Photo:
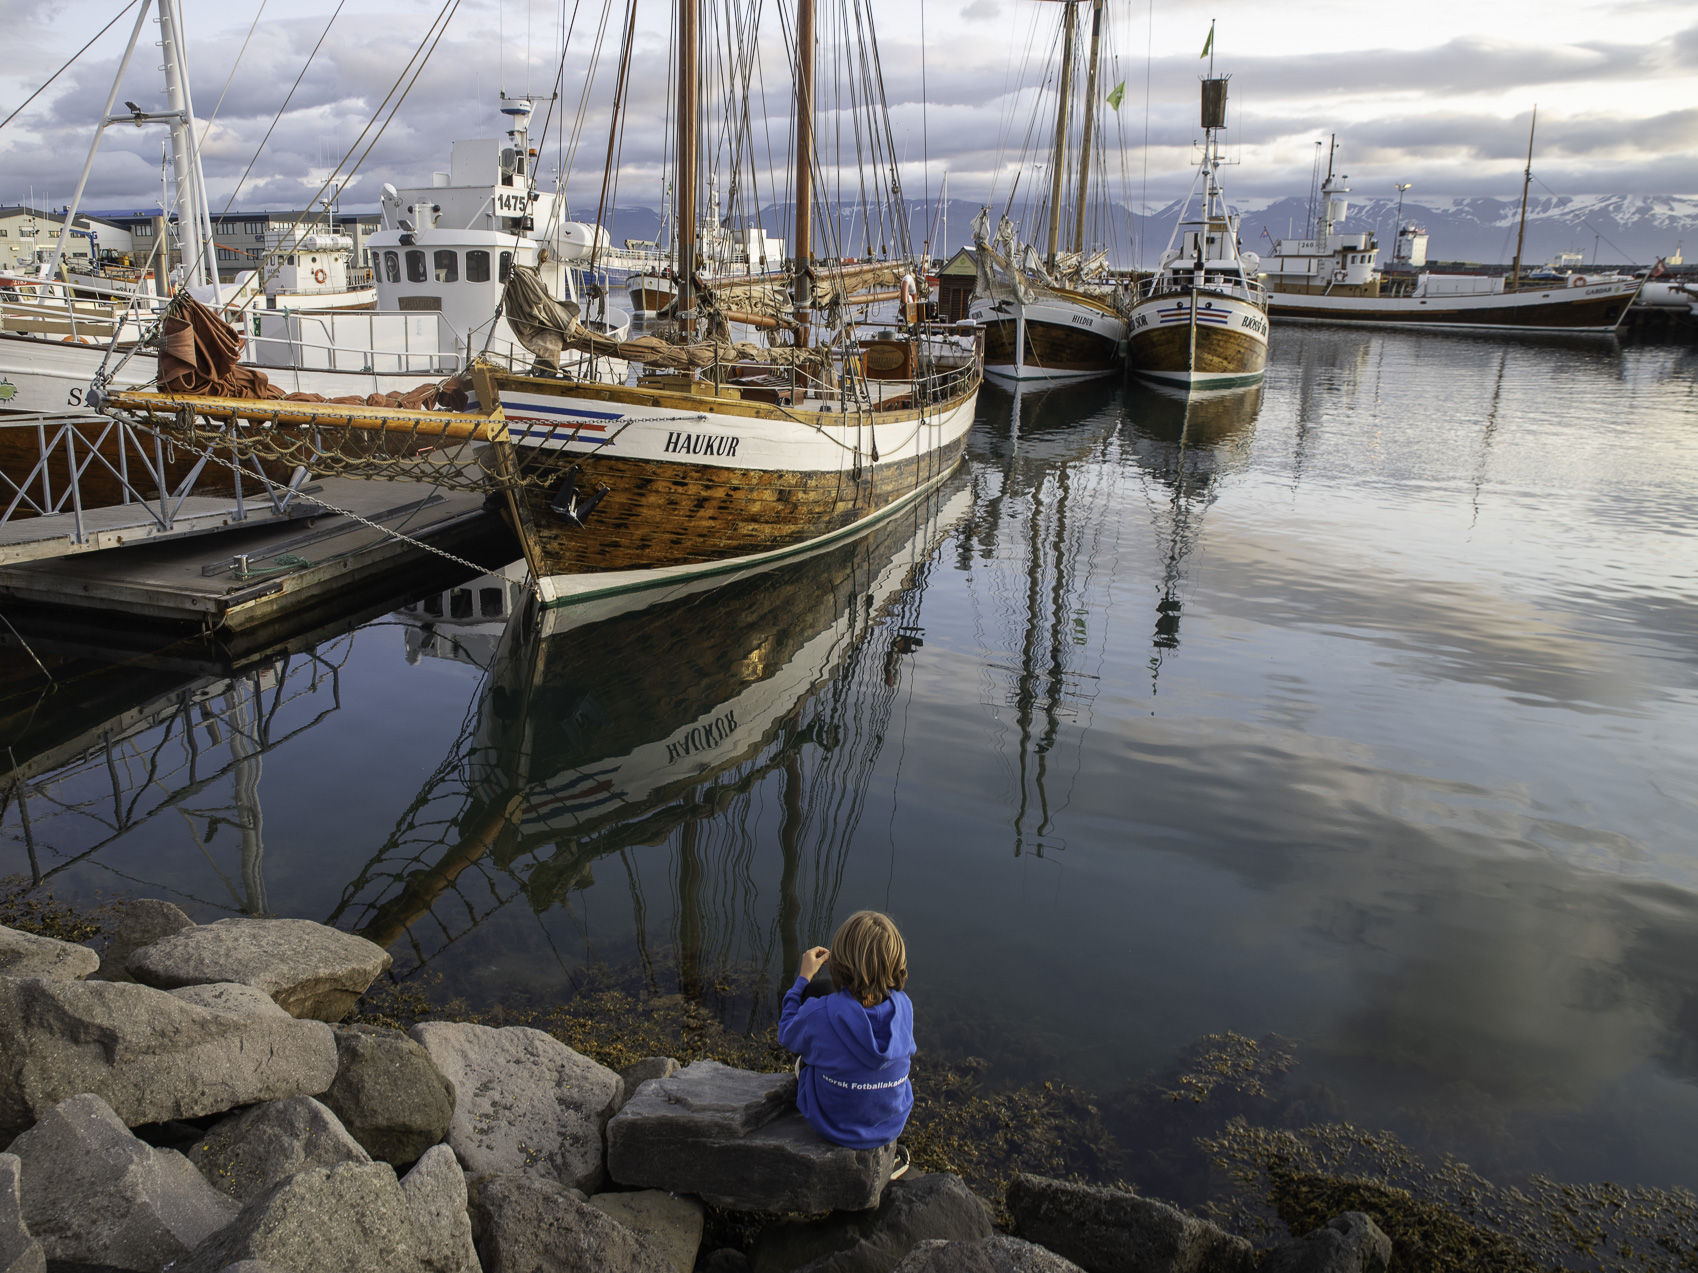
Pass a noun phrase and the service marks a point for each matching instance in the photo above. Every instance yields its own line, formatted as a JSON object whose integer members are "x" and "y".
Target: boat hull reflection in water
{"x": 599, "y": 728}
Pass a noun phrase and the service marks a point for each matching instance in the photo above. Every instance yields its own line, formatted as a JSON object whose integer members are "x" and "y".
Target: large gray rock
{"x": 27, "y": 955}
{"x": 309, "y": 969}
{"x": 350, "y": 1218}
{"x": 141, "y": 923}
{"x": 527, "y": 1225}
{"x": 94, "y": 1194}
{"x": 389, "y": 1093}
{"x": 650, "y": 1067}
{"x": 672, "y": 1226}
{"x": 1350, "y": 1243}
{"x": 19, "y": 1251}
{"x": 150, "y": 1055}
{"x": 435, "y": 1190}
{"x": 247, "y": 1153}
{"x": 735, "y": 1138}
{"x": 1113, "y": 1231}
{"x": 999, "y": 1254}
{"x": 524, "y": 1103}
{"x": 916, "y": 1208}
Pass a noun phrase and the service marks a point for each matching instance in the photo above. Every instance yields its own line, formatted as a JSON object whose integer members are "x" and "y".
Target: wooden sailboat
{"x": 1047, "y": 320}
{"x": 1202, "y": 319}
{"x": 738, "y": 454}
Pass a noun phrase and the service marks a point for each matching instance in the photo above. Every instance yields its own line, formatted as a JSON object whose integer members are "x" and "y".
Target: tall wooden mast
{"x": 1059, "y": 159}
{"x": 1090, "y": 122}
{"x": 803, "y": 293}
{"x": 688, "y": 131}
{"x": 1526, "y": 182}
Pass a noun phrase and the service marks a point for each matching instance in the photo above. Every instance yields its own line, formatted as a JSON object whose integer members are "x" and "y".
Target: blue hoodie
{"x": 854, "y": 1087}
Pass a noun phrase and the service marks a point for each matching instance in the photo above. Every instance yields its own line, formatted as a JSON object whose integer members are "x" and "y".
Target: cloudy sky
{"x": 1437, "y": 95}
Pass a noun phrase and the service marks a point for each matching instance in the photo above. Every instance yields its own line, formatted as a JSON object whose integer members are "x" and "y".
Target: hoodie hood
{"x": 876, "y": 1037}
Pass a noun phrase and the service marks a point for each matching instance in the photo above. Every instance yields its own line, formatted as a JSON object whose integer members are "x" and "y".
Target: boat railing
{"x": 438, "y": 351}
{"x": 1182, "y": 284}
{"x": 73, "y": 463}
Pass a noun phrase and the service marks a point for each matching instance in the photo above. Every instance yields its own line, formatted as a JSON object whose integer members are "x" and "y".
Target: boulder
{"x": 94, "y": 1194}
{"x": 735, "y": 1138}
{"x": 1114, "y": 1231}
{"x": 309, "y": 969}
{"x": 528, "y": 1225}
{"x": 142, "y": 922}
{"x": 1350, "y": 1243}
{"x": 27, "y": 955}
{"x": 19, "y": 1251}
{"x": 389, "y": 1094}
{"x": 252, "y": 1266}
{"x": 350, "y": 1218}
{"x": 999, "y": 1254}
{"x": 435, "y": 1191}
{"x": 916, "y": 1208}
{"x": 247, "y": 1153}
{"x": 650, "y": 1067}
{"x": 672, "y": 1226}
{"x": 524, "y": 1103}
{"x": 150, "y": 1055}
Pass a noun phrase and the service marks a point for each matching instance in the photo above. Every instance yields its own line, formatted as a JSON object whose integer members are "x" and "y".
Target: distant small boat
{"x": 1202, "y": 319}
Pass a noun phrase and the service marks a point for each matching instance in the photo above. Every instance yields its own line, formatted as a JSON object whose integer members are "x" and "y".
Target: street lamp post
{"x": 1397, "y": 230}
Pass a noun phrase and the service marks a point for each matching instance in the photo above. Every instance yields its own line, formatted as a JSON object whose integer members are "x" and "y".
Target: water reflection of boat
{"x": 1187, "y": 442}
{"x": 596, "y": 733}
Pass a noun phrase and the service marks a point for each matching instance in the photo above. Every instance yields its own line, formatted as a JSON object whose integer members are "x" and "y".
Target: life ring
{"x": 318, "y": 276}
{"x": 1338, "y": 276}
{"x": 74, "y": 340}
{"x": 908, "y": 291}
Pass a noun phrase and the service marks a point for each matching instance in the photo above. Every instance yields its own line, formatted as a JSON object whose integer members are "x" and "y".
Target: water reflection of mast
{"x": 1185, "y": 441}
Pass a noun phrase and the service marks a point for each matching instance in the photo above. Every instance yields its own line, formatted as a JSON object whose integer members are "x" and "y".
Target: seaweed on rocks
{"x": 31, "y": 909}
{"x": 1448, "y": 1218}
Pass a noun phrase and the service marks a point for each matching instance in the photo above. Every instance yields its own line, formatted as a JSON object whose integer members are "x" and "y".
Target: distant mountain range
{"x": 1620, "y": 229}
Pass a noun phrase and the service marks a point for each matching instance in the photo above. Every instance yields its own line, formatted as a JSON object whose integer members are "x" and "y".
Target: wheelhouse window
{"x": 506, "y": 267}
{"x": 477, "y": 266}
{"x": 447, "y": 265}
{"x": 392, "y": 266}
{"x": 416, "y": 267}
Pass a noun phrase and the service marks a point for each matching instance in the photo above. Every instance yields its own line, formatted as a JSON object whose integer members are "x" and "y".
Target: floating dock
{"x": 248, "y": 576}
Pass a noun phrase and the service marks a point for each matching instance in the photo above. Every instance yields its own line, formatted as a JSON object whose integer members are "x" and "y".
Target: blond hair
{"x": 868, "y": 957}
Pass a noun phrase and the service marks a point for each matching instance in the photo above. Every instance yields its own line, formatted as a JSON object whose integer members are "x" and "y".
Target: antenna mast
{"x": 1526, "y": 182}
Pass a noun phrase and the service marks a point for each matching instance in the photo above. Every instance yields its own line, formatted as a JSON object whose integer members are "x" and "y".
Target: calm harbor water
{"x": 1361, "y": 708}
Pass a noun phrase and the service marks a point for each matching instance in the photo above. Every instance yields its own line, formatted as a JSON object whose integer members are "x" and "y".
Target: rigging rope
{"x": 56, "y": 74}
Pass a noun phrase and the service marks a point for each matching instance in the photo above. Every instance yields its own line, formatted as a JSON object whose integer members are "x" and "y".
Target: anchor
{"x": 566, "y": 502}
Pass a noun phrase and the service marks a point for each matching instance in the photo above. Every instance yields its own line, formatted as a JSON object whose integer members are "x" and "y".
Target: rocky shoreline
{"x": 195, "y": 1099}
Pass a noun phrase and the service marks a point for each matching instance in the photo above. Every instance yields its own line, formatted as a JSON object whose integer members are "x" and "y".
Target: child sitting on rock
{"x": 855, "y": 1038}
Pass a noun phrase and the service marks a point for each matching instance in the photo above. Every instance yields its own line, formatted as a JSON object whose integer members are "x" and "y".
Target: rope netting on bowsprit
{"x": 425, "y": 453}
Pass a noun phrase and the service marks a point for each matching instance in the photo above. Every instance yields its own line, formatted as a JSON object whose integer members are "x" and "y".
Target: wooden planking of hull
{"x": 1222, "y": 343}
{"x": 1597, "y": 309}
{"x": 698, "y": 484}
{"x": 1063, "y": 340}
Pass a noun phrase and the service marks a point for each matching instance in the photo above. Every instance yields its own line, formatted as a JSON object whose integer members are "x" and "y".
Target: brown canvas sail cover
{"x": 200, "y": 355}
{"x": 546, "y": 327}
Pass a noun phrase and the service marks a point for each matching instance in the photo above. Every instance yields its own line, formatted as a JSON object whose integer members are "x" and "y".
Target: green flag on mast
{"x": 1208, "y": 43}
{"x": 1118, "y": 95}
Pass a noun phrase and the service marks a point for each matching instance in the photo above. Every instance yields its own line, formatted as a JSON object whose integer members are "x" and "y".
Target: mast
{"x": 193, "y": 216}
{"x": 684, "y": 199}
{"x": 1526, "y": 182}
{"x": 1085, "y": 133}
{"x": 803, "y": 287}
{"x": 1060, "y": 157}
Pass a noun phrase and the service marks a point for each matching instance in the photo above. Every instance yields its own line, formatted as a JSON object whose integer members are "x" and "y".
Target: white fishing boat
{"x": 1202, "y": 319}
{"x": 1334, "y": 277}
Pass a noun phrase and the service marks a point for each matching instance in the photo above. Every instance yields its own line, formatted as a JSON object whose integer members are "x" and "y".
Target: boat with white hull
{"x": 1331, "y": 277}
{"x": 1202, "y": 319}
{"x": 1058, "y": 317}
